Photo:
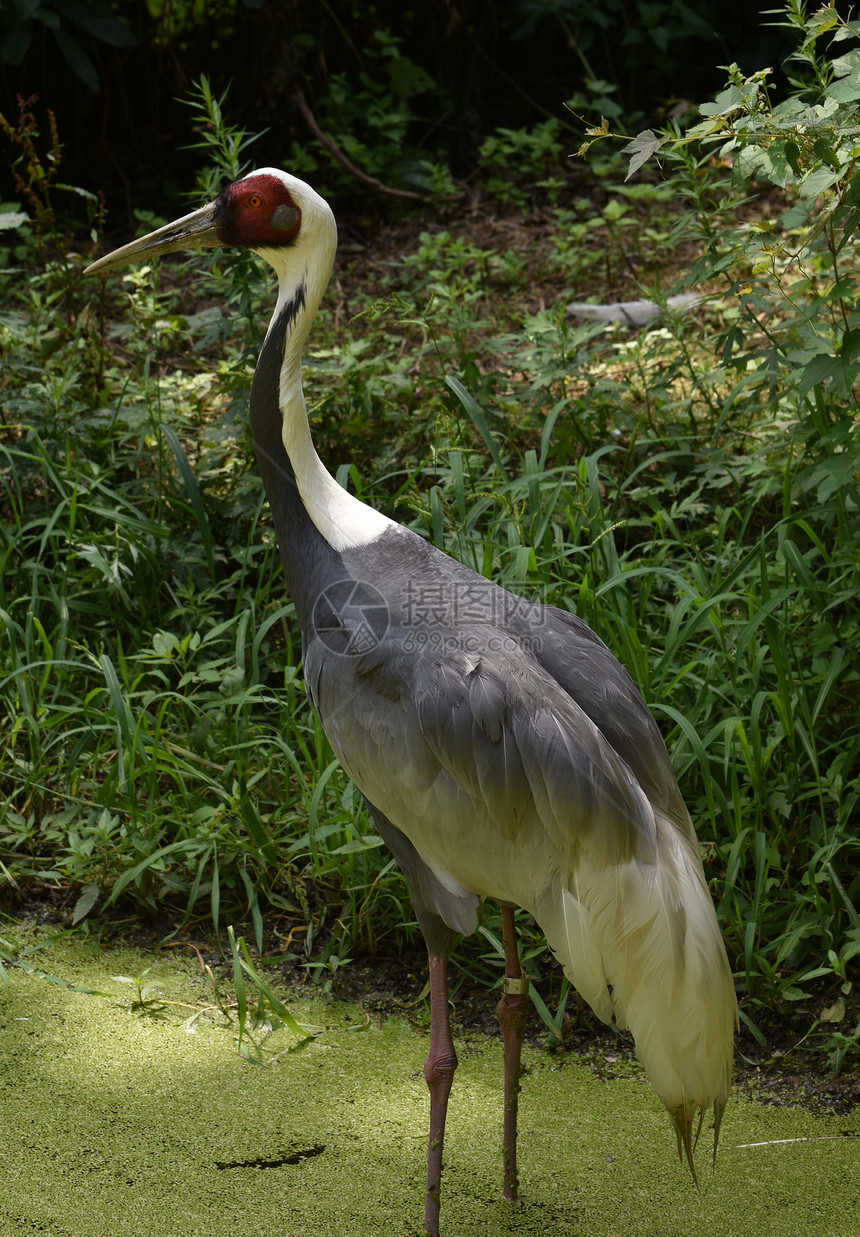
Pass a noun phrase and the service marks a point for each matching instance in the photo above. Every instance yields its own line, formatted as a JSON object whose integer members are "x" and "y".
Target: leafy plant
{"x": 262, "y": 1016}
{"x": 147, "y": 995}
{"x": 22, "y": 19}
{"x": 368, "y": 115}
{"x": 536, "y": 155}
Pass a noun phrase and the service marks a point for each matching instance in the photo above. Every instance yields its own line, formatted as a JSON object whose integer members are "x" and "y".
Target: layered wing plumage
{"x": 519, "y": 762}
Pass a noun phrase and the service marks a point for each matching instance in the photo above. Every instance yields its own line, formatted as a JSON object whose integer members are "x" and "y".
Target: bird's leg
{"x": 439, "y": 1072}
{"x": 511, "y": 1013}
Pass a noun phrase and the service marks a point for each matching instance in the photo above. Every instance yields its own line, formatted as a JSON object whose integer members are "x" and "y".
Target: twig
{"x": 311, "y": 122}
{"x": 820, "y": 1138}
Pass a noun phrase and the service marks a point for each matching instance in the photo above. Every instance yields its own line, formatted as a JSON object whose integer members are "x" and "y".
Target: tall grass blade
{"x": 477, "y": 417}
{"x": 193, "y": 490}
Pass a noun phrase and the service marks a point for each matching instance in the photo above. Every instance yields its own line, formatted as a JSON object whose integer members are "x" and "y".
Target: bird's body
{"x": 503, "y": 750}
{"x": 488, "y": 744}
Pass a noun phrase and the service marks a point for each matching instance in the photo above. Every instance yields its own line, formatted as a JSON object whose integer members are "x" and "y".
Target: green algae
{"x": 140, "y": 1122}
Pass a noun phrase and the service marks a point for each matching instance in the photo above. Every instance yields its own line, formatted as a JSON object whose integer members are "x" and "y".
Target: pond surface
{"x": 149, "y": 1122}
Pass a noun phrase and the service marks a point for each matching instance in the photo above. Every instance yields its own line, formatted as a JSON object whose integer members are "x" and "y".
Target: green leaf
{"x": 846, "y": 90}
{"x": 255, "y": 826}
{"x": 16, "y": 43}
{"x": 23, "y": 10}
{"x": 477, "y": 417}
{"x": 242, "y": 966}
{"x": 819, "y": 369}
{"x": 193, "y": 491}
{"x": 78, "y": 60}
{"x": 792, "y": 154}
{"x": 851, "y": 196}
{"x": 733, "y": 338}
{"x": 101, "y": 25}
{"x": 642, "y": 147}
{"x": 85, "y": 903}
{"x": 847, "y": 65}
{"x": 727, "y": 101}
{"x": 825, "y": 152}
{"x": 124, "y": 718}
{"x": 771, "y": 163}
{"x": 357, "y": 846}
{"x": 157, "y": 857}
{"x": 817, "y": 182}
{"x": 834, "y": 474}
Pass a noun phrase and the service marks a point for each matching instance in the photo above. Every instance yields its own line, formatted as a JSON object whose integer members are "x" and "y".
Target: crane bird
{"x": 502, "y": 750}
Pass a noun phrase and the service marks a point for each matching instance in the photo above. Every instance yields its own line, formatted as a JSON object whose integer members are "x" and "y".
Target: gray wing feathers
{"x": 583, "y": 666}
{"x": 513, "y": 758}
{"x": 493, "y": 735}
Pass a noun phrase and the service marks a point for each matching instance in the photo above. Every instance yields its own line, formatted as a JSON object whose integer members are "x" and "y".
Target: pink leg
{"x": 439, "y": 1072}
{"x": 511, "y": 1013}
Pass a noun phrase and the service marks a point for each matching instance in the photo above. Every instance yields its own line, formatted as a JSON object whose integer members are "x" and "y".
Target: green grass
{"x": 158, "y": 750}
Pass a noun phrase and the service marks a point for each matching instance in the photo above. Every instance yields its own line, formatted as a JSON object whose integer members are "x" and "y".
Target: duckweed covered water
{"x": 117, "y": 1120}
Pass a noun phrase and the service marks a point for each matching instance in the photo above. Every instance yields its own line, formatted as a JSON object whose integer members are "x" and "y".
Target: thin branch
{"x": 311, "y": 122}
{"x": 821, "y": 1138}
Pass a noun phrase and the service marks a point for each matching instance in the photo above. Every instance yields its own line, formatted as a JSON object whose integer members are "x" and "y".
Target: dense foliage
{"x": 691, "y": 490}
{"x": 403, "y": 90}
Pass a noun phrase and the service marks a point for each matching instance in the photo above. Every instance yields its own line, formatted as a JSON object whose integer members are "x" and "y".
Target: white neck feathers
{"x": 303, "y": 271}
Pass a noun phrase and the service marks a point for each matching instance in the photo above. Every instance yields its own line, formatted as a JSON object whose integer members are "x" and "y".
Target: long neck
{"x": 314, "y": 517}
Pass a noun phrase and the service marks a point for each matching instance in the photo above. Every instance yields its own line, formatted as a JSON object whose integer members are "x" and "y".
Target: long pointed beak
{"x": 195, "y": 231}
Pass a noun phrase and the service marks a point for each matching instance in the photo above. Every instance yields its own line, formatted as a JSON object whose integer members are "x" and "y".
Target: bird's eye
{"x": 255, "y": 200}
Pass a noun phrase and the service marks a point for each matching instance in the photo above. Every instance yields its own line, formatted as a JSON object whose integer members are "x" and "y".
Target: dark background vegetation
{"x": 113, "y": 74}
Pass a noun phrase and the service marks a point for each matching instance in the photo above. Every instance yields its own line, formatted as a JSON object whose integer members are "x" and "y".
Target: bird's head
{"x": 268, "y": 211}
